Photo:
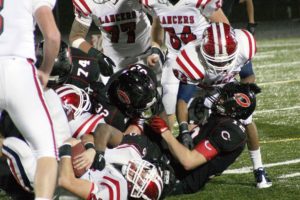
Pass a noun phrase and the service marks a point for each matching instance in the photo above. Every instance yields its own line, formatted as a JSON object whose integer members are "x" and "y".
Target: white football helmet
{"x": 219, "y": 48}
{"x": 75, "y": 100}
{"x": 144, "y": 180}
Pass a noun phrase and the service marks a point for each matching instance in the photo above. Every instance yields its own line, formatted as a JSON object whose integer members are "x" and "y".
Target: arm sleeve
{"x": 38, "y": 3}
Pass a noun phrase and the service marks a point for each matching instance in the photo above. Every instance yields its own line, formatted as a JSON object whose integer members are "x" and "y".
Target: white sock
{"x": 256, "y": 158}
{"x": 40, "y": 198}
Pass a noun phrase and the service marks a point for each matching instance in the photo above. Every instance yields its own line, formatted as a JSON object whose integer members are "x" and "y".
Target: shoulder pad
{"x": 247, "y": 44}
{"x": 228, "y": 135}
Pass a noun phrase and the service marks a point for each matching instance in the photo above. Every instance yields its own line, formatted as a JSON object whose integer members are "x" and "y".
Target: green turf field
{"x": 277, "y": 68}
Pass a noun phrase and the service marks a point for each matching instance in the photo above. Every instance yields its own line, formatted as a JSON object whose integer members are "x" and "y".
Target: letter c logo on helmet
{"x": 123, "y": 97}
{"x": 242, "y": 100}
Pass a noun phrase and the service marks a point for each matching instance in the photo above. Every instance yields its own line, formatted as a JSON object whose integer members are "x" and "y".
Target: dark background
{"x": 278, "y": 15}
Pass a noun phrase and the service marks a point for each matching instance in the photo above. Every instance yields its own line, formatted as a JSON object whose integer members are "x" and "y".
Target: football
{"x": 76, "y": 150}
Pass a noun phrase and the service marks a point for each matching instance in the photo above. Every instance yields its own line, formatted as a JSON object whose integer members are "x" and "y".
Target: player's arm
{"x": 219, "y": 16}
{"x": 51, "y": 35}
{"x": 189, "y": 159}
{"x": 77, "y": 36}
{"x": 67, "y": 177}
{"x": 157, "y": 35}
{"x": 106, "y": 134}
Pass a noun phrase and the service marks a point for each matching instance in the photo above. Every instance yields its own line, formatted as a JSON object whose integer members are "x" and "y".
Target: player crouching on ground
{"x": 217, "y": 143}
{"x": 126, "y": 175}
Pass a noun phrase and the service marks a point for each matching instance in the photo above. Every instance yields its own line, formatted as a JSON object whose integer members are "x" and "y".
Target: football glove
{"x": 184, "y": 136}
{"x": 156, "y": 50}
{"x": 158, "y": 125}
{"x": 99, "y": 161}
{"x": 251, "y": 27}
{"x": 105, "y": 64}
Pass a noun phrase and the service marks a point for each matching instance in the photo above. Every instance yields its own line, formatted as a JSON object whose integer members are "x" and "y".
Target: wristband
{"x": 65, "y": 150}
{"x": 89, "y": 145}
{"x": 183, "y": 127}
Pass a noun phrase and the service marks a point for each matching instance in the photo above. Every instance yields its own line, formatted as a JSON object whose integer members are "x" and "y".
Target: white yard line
{"x": 278, "y": 109}
{"x": 279, "y": 141}
{"x": 278, "y": 82}
{"x": 245, "y": 170}
{"x": 280, "y": 44}
{"x": 289, "y": 175}
{"x": 283, "y": 64}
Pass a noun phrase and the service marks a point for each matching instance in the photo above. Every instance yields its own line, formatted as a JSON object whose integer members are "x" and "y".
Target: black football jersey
{"x": 85, "y": 69}
{"x": 224, "y": 133}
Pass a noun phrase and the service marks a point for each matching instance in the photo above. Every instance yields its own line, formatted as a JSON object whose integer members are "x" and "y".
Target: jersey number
{"x": 115, "y": 30}
{"x": 185, "y": 36}
{"x": 1, "y": 18}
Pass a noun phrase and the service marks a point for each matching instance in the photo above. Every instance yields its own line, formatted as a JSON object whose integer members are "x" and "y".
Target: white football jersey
{"x": 124, "y": 26}
{"x": 86, "y": 123}
{"x": 190, "y": 65}
{"x": 107, "y": 184}
{"x": 17, "y": 26}
{"x": 110, "y": 183}
{"x": 183, "y": 22}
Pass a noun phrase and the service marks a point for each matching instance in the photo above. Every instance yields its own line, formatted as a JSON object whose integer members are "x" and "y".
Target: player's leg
{"x": 262, "y": 181}
{"x": 170, "y": 85}
{"x": 21, "y": 160}
{"x": 29, "y": 112}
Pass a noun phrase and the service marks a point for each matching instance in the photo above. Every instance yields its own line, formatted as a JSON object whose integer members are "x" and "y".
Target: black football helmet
{"x": 134, "y": 93}
{"x": 236, "y": 100}
{"x": 62, "y": 65}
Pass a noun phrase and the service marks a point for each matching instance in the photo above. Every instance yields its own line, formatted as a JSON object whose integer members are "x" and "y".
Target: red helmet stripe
{"x": 216, "y": 39}
{"x": 223, "y": 39}
{"x": 194, "y": 67}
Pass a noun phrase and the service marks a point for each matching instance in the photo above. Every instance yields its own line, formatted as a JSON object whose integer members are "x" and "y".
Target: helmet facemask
{"x": 75, "y": 101}
{"x": 144, "y": 180}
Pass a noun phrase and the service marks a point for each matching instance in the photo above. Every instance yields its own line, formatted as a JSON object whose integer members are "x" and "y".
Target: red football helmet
{"x": 219, "y": 47}
{"x": 75, "y": 100}
{"x": 144, "y": 180}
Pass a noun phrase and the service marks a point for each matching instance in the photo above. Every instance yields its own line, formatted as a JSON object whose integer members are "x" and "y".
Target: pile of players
{"x": 110, "y": 101}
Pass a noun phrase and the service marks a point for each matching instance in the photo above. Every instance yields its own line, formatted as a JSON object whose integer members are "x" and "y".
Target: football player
{"x": 125, "y": 176}
{"x": 182, "y": 22}
{"x": 21, "y": 93}
{"x": 217, "y": 143}
{"x": 216, "y": 60}
{"x": 125, "y": 30}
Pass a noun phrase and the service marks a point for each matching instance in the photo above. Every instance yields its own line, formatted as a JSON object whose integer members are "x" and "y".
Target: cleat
{"x": 261, "y": 178}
